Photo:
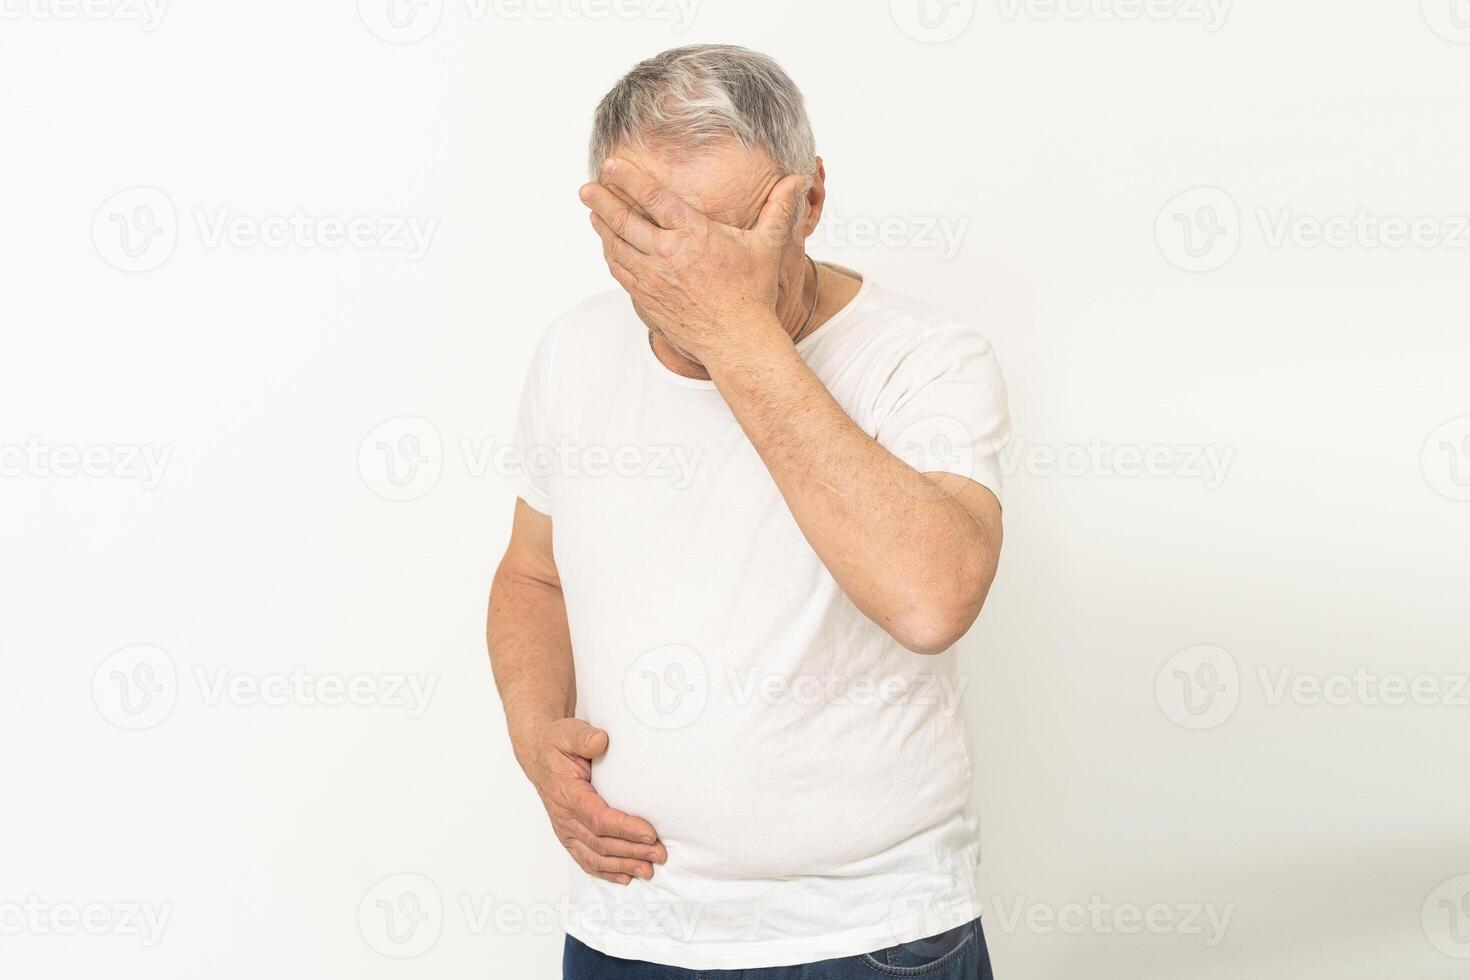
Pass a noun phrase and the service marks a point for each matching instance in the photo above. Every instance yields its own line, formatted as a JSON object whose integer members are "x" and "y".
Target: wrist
{"x": 526, "y": 732}
{"x": 754, "y": 339}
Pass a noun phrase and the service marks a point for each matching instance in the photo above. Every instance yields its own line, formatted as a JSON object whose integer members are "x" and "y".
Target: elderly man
{"x": 759, "y": 505}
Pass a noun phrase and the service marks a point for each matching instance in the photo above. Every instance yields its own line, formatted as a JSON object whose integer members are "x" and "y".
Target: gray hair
{"x": 690, "y": 97}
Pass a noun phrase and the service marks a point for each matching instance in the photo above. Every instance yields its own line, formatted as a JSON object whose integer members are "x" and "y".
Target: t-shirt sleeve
{"x": 526, "y": 467}
{"x": 947, "y": 408}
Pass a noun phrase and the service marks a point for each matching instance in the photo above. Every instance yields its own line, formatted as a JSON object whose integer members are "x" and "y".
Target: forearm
{"x": 530, "y": 655}
{"x": 906, "y": 552}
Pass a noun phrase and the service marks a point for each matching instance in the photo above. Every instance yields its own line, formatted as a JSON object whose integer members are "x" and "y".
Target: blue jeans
{"x": 958, "y": 954}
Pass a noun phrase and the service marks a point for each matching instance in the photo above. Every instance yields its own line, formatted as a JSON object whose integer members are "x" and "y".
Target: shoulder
{"x": 588, "y": 333}
{"x": 916, "y": 326}
{"x": 906, "y": 337}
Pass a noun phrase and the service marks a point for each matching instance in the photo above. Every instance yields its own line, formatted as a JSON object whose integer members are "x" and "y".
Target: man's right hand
{"x": 605, "y": 842}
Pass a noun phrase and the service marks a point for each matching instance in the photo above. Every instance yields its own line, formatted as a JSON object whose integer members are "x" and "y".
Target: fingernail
{"x": 645, "y": 873}
{"x": 609, "y": 164}
{"x": 648, "y": 840}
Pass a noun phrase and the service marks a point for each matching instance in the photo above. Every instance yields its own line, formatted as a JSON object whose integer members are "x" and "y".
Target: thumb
{"x": 584, "y": 740}
{"x": 777, "y": 221}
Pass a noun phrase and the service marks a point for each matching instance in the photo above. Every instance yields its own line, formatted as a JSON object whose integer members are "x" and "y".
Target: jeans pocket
{"x": 922, "y": 957}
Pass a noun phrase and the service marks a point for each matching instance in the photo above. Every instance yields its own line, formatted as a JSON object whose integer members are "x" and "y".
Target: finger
{"x": 666, "y": 207}
{"x": 590, "y": 860}
{"x": 617, "y": 847}
{"x": 625, "y": 222}
{"x": 605, "y": 821}
{"x": 614, "y": 247}
{"x": 777, "y": 221}
{"x": 570, "y": 837}
{"x": 623, "y": 275}
{"x": 575, "y": 737}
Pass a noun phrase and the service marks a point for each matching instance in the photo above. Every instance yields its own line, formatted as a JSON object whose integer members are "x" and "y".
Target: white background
{"x": 1053, "y": 148}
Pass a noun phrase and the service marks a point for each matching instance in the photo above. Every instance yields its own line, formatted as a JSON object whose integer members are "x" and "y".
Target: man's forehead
{"x": 723, "y": 181}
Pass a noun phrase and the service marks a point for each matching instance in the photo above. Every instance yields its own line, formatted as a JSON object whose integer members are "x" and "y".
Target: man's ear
{"x": 816, "y": 199}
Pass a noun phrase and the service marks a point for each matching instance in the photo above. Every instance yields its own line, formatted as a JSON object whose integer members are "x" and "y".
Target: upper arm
{"x": 529, "y": 554}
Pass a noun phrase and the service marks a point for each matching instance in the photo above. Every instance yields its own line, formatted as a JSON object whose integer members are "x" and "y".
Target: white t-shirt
{"x": 809, "y": 776}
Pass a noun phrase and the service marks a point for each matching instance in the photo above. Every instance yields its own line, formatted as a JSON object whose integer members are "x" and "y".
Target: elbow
{"x": 935, "y": 627}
